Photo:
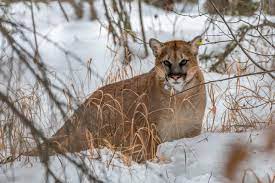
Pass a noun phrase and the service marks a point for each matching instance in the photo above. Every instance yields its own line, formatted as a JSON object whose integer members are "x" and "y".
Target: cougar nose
{"x": 175, "y": 77}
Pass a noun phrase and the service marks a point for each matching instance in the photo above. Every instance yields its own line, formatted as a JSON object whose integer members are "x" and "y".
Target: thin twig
{"x": 225, "y": 79}
{"x": 63, "y": 11}
{"x": 237, "y": 42}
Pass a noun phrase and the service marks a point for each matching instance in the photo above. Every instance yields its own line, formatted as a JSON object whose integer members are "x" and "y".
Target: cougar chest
{"x": 178, "y": 118}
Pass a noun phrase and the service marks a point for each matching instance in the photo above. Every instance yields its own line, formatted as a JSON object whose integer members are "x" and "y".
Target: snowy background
{"x": 201, "y": 159}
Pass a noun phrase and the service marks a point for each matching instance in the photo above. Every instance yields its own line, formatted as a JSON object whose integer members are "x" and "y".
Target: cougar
{"x": 134, "y": 116}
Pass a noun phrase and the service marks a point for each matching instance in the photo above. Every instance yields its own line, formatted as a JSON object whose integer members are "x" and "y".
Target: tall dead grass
{"x": 242, "y": 105}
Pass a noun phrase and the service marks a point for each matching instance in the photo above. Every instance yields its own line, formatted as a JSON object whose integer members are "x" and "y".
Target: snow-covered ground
{"x": 201, "y": 159}
{"x": 197, "y": 160}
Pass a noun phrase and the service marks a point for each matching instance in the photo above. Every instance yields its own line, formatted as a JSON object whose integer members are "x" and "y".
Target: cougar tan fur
{"x": 133, "y": 116}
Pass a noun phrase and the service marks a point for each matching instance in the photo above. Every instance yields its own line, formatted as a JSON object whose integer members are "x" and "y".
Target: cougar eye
{"x": 167, "y": 63}
{"x": 183, "y": 62}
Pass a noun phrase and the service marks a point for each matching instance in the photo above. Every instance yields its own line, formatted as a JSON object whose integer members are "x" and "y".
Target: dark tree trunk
{"x": 142, "y": 28}
{"x": 93, "y": 14}
{"x": 272, "y": 7}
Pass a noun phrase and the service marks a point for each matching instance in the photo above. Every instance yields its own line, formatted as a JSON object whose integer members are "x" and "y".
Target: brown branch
{"x": 111, "y": 29}
{"x": 229, "y": 48}
{"x": 65, "y": 51}
{"x": 237, "y": 42}
{"x": 63, "y": 11}
{"x": 142, "y": 28}
{"x": 225, "y": 79}
{"x": 25, "y": 120}
{"x": 43, "y": 80}
{"x": 36, "y": 54}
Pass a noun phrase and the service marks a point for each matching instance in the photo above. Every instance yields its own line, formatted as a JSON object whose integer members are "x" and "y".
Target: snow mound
{"x": 200, "y": 159}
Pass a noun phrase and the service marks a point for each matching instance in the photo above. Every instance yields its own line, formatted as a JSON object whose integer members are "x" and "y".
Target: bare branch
{"x": 237, "y": 42}
{"x": 225, "y": 79}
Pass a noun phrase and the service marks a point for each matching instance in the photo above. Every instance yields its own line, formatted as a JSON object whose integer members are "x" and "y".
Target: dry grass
{"x": 238, "y": 116}
{"x": 14, "y": 135}
{"x": 16, "y": 138}
{"x": 247, "y": 104}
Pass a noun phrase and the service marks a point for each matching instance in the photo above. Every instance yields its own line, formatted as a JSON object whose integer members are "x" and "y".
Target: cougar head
{"x": 176, "y": 61}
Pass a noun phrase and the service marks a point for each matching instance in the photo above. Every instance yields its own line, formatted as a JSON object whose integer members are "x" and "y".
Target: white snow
{"x": 196, "y": 160}
{"x": 200, "y": 159}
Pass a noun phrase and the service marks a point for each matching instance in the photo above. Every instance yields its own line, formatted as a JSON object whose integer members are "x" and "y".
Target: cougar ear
{"x": 155, "y": 45}
{"x": 195, "y": 44}
{"x": 191, "y": 73}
